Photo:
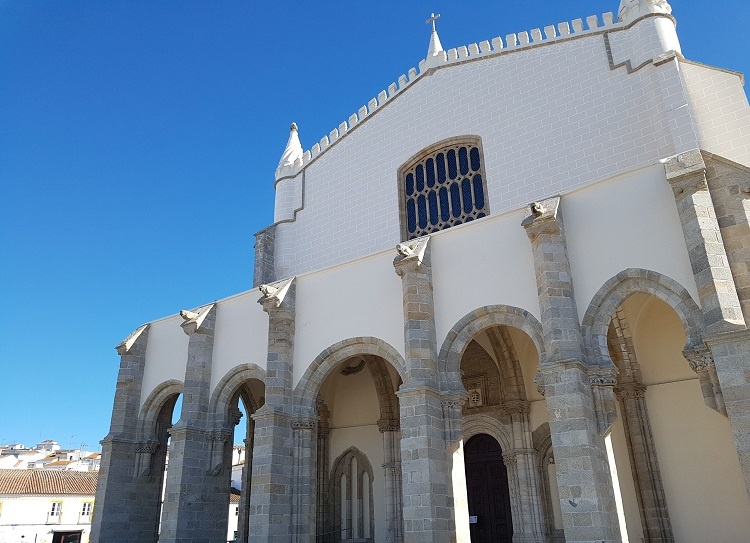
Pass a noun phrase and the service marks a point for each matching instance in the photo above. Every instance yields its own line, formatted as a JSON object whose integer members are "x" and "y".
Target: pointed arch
{"x": 227, "y": 388}
{"x": 459, "y": 336}
{"x": 605, "y": 302}
{"x": 306, "y": 391}
{"x": 152, "y": 407}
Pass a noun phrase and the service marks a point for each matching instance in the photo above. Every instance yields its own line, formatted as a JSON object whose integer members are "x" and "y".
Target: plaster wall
{"x": 241, "y": 335}
{"x": 579, "y": 122}
{"x": 166, "y": 354}
{"x": 629, "y": 221}
{"x": 501, "y": 270}
{"x": 361, "y": 298}
{"x": 26, "y": 517}
{"x": 720, "y": 110}
{"x": 700, "y": 470}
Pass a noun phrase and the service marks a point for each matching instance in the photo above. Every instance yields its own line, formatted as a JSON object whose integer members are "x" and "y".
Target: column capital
{"x": 700, "y": 358}
{"x": 631, "y": 390}
{"x": 274, "y": 294}
{"x": 542, "y": 218}
{"x": 305, "y": 423}
{"x": 411, "y": 255}
{"x": 686, "y": 172}
{"x": 389, "y": 425}
{"x": 199, "y": 321}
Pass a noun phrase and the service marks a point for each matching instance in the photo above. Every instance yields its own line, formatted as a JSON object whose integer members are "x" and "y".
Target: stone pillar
{"x": 394, "y": 518}
{"x": 264, "y": 270}
{"x": 324, "y": 517}
{"x": 273, "y": 469}
{"x": 649, "y": 488}
{"x": 528, "y": 517}
{"x": 196, "y": 498}
{"x": 577, "y": 415}
{"x": 304, "y": 492}
{"x": 725, "y": 333}
{"x": 243, "y": 518}
{"x": 427, "y": 483}
{"x": 121, "y": 508}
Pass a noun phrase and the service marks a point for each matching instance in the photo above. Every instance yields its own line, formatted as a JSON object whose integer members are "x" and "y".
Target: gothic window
{"x": 443, "y": 186}
{"x": 353, "y": 509}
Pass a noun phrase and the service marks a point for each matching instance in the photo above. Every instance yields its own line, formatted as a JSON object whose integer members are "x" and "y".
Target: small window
{"x": 237, "y": 510}
{"x": 444, "y": 186}
{"x": 86, "y": 509}
{"x": 56, "y": 510}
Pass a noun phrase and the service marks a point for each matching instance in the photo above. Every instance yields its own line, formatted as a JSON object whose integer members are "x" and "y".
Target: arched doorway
{"x": 488, "y": 491}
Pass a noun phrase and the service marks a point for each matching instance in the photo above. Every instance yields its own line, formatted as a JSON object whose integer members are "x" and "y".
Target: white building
{"x": 488, "y": 312}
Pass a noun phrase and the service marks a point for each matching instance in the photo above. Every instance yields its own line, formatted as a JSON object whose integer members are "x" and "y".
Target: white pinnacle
{"x": 293, "y": 151}
{"x": 435, "y": 47}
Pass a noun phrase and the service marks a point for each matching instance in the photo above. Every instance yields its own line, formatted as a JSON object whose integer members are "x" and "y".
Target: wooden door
{"x": 487, "y": 486}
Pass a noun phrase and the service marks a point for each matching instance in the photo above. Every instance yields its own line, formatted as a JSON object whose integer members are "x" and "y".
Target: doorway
{"x": 66, "y": 537}
{"x": 488, "y": 492}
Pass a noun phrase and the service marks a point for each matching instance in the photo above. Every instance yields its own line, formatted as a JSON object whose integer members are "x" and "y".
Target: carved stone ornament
{"x": 274, "y": 293}
{"x": 412, "y": 251}
{"x": 235, "y": 416}
{"x": 541, "y": 218}
{"x": 539, "y": 380}
{"x": 353, "y": 369}
{"x": 195, "y": 319}
{"x": 304, "y": 424}
{"x": 126, "y": 344}
{"x": 630, "y": 391}
{"x": 515, "y": 407}
{"x": 453, "y": 403}
{"x": 149, "y": 448}
{"x": 700, "y": 359}
{"x": 388, "y": 425}
{"x": 630, "y": 10}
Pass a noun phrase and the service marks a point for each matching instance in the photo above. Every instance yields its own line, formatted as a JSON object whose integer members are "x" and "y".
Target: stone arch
{"x": 226, "y": 389}
{"x": 542, "y": 441}
{"x": 485, "y": 424}
{"x": 459, "y": 336}
{"x": 354, "y": 505}
{"x": 387, "y": 399}
{"x": 153, "y": 405}
{"x": 605, "y": 302}
{"x": 306, "y": 391}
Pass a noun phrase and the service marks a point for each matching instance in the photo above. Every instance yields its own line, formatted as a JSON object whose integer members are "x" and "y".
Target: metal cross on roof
{"x": 432, "y": 20}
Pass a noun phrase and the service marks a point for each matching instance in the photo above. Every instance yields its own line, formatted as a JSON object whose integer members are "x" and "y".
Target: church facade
{"x": 486, "y": 311}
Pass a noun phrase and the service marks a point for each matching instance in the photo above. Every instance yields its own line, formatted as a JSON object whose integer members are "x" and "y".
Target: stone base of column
{"x": 196, "y": 499}
{"x": 427, "y": 483}
{"x": 731, "y": 353}
{"x": 273, "y": 478}
{"x": 583, "y": 476}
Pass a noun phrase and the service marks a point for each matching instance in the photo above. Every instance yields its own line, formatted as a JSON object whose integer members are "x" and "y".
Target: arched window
{"x": 443, "y": 186}
{"x": 354, "y": 513}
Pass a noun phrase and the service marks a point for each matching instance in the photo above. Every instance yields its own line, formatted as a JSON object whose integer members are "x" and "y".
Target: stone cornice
{"x": 126, "y": 345}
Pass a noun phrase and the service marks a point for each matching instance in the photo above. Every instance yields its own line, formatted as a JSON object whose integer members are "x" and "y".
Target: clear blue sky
{"x": 138, "y": 142}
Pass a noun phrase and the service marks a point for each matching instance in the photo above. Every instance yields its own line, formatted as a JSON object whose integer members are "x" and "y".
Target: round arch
{"x": 459, "y": 336}
{"x": 604, "y": 304}
{"x": 485, "y": 424}
{"x": 306, "y": 391}
{"x": 152, "y": 407}
{"x": 227, "y": 387}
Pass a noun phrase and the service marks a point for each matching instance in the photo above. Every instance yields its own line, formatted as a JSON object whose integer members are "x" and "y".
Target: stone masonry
{"x": 586, "y": 494}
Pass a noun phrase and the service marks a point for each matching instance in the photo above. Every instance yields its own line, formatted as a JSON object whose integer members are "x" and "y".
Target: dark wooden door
{"x": 487, "y": 486}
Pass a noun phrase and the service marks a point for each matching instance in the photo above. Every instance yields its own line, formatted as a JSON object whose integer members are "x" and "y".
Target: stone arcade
{"x": 557, "y": 349}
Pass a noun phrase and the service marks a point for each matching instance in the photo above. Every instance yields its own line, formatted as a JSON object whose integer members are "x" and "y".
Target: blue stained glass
{"x": 409, "y": 184}
{"x": 420, "y": 178}
{"x": 432, "y": 200}
{"x": 474, "y": 155}
{"x": 478, "y": 191}
{"x": 430, "y": 169}
{"x": 466, "y": 193}
{"x": 411, "y": 216}
{"x": 455, "y": 200}
{"x": 480, "y": 215}
{"x": 452, "y": 166}
{"x": 445, "y": 210}
{"x": 469, "y": 219}
{"x": 463, "y": 160}
{"x": 440, "y": 163}
{"x": 422, "y": 210}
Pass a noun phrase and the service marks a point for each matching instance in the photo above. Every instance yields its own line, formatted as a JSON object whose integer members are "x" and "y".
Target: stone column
{"x": 646, "y": 475}
{"x": 528, "y": 519}
{"x": 394, "y": 517}
{"x": 725, "y": 333}
{"x": 577, "y": 415}
{"x": 427, "y": 483}
{"x": 196, "y": 498}
{"x": 120, "y": 511}
{"x": 273, "y": 469}
{"x": 324, "y": 520}
{"x": 243, "y": 518}
{"x": 304, "y": 492}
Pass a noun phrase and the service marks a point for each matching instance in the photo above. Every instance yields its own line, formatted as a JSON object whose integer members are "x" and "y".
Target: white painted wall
{"x": 241, "y": 335}
{"x": 166, "y": 354}
{"x": 720, "y": 110}
{"x": 629, "y": 221}
{"x": 579, "y": 122}
{"x": 24, "y": 518}
{"x": 361, "y": 298}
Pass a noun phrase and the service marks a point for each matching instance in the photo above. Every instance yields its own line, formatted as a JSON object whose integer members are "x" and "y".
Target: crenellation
{"x": 523, "y": 38}
{"x": 536, "y": 35}
{"x": 592, "y": 21}
{"x": 452, "y": 54}
{"x": 549, "y": 32}
{"x": 608, "y": 18}
{"x": 353, "y": 120}
{"x": 473, "y": 49}
{"x": 413, "y": 75}
{"x": 334, "y": 135}
{"x": 497, "y": 43}
{"x": 577, "y": 25}
{"x": 382, "y": 97}
{"x": 484, "y": 47}
{"x": 402, "y": 82}
{"x": 511, "y": 41}
{"x": 362, "y": 113}
{"x": 463, "y": 52}
{"x": 392, "y": 90}
{"x": 324, "y": 143}
{"x": 564, "y": 28}
{"x": 372, "y": 105}
{"x": 315, "y": 150}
